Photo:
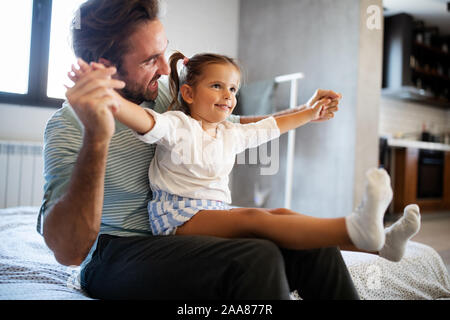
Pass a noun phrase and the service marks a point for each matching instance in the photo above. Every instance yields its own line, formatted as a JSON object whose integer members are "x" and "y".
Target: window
{"x": 35, "y": 32}
{"x": 61, "y": 54}
{"x": 15, "y": 31}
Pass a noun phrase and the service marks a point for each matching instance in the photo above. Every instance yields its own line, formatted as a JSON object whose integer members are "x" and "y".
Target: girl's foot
{"x": 365, "y": 225}
{"x": 400, "y": 232}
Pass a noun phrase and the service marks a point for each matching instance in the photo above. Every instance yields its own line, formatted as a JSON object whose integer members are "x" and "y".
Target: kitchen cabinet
{"x": 405, "y": 174}
{"x": 416, "y": 62}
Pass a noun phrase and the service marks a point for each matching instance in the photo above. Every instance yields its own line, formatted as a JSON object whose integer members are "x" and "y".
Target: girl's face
{"x": 213, "y": 98}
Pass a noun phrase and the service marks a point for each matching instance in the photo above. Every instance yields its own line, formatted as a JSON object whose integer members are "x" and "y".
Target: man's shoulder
{"x": 64, "y": 117}
{"x": 164, "y": 98}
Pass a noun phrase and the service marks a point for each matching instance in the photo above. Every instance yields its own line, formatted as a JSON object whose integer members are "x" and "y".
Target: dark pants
{"x": 201, "y": 267}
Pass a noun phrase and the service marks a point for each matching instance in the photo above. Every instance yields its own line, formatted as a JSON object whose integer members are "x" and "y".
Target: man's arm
{"x": 72, "y": 224}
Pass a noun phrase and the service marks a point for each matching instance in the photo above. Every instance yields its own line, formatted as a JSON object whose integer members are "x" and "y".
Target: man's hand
{"x": 93, "y": 99}
{"x": 329, "y": 110}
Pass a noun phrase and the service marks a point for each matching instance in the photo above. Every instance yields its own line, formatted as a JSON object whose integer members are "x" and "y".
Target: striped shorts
{"x": 168, "y": 211}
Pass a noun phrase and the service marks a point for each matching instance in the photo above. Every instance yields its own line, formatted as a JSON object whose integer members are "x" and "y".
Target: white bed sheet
{"x": 29, "y": 271}
{"x": 421, "y": 274}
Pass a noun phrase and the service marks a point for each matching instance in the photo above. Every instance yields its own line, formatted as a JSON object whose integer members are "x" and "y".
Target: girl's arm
{"x": 134, "y": 117}
{"x": 296, "y": 119}
{"x": 331, "y": 108}
{"x": 127, "y": 112}
{"x": 251, "y": 119}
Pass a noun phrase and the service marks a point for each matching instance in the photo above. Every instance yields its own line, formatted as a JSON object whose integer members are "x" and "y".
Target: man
{"x": 94, "y": 208}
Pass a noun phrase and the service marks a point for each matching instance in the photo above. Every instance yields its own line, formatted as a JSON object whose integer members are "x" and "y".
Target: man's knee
{"x": 328, "y": 254}
{"x": 331, "y": 251}
{"x": 263, "y": 254}
{"x": 261, "y": 271}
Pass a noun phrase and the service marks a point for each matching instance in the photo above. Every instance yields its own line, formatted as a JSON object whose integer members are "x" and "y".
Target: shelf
{"x": 412, "y": 70}
{"x": 413, "y": 94}
{"x": 430, "y": 74}
{"x": 431, "y": 49}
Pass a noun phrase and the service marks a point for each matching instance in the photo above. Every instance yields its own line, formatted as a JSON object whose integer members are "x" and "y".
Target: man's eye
{"x": 150, "y": 62}
{"x": 216, "y": 86}
{"x": 234, "y": 90}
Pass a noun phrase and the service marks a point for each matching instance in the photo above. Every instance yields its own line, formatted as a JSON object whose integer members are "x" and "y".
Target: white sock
{"x": 400, "y": 232}
{"x": 365, "y": 225}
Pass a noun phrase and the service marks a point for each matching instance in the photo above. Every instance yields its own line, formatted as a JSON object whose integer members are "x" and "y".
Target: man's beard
{"x": 137, "y": 96}
{"x": 136, "y": 93}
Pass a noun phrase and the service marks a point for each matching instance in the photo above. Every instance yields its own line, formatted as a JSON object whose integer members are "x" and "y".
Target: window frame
{"x": 39, "y": 60}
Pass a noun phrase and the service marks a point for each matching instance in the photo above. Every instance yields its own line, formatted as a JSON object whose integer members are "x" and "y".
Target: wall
{"x": 23, "y": 123}
{"x": 327, "y": 41}
{"x": 202, "y": 26}
{"x": 191, "y": 26}
{"x": 400, "y": 117}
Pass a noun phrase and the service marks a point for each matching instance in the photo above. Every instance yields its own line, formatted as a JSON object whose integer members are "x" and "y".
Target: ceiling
{"x": 432, "y": 12}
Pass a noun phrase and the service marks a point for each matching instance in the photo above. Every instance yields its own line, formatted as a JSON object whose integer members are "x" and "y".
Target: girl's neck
{"x": 209, "y": 127}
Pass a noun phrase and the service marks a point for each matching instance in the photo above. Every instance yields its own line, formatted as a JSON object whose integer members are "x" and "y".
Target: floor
{"x": 435, "y": 232}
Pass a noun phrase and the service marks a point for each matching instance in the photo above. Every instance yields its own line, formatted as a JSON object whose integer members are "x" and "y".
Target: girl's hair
{"x": 101, "y": 28}
{"x": 191, "y": 72}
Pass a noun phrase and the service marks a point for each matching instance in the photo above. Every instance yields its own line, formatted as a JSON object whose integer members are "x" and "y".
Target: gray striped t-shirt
{"x": 126, "y": 192}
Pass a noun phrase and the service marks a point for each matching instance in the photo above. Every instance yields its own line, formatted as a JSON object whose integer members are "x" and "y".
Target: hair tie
{"x": 185, "y": 60}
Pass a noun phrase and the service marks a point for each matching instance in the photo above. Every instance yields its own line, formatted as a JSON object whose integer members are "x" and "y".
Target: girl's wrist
{"x": 310, "y": 113}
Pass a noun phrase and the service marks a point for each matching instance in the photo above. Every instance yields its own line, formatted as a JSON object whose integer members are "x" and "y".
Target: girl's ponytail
{"x": 174, "y": 79}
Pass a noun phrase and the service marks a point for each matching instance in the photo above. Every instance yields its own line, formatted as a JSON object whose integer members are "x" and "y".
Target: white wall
{"x": 202, "y": 26}
{"x": 370, "y": 69}
{"x": 23, "y": 123}
{"x": 400, "y": 117}
{"x": 192, "y": 26}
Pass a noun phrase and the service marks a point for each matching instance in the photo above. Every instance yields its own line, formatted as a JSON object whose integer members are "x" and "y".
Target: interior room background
{"x": 330, "y": 43}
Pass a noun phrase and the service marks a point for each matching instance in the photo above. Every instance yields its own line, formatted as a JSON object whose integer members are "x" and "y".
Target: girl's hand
{"x": 319, "y": 110}
{"x": 76, "y": 74}
{"x": 329, "y": 110}
{"x": 94, "y": 99}
{"x": 83, "y": 68}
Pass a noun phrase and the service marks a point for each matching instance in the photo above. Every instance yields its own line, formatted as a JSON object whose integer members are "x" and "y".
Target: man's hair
{"x": 104, "y": 26}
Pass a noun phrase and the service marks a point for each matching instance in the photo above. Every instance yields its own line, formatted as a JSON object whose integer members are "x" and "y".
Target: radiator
{"x": 21, "y": 174}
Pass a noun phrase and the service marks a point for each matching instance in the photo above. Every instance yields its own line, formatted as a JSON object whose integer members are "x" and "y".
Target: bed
{"x": 28, "y": 270}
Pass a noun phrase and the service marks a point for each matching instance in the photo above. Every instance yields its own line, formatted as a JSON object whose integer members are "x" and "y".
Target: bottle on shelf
{"x": 425, "y": 135}
{"x": 419, "y": 28}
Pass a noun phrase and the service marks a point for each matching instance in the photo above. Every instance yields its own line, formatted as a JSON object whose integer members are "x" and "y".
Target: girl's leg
{"x": 397, "y": 235}
{"x": 363, "y": 228}
{"x": 288, "y": 231}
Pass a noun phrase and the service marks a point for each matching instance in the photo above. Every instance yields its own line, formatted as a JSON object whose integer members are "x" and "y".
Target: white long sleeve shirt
{"x": 190, "y": 163}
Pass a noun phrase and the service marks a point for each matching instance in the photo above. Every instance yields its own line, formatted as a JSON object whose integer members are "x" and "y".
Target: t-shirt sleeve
{"x": 62, "y": 142}
{"x": 167, "y": 128}
{"x": 254, "y": 134}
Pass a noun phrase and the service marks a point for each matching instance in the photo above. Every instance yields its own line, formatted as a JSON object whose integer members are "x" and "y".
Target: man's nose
{"x": 163, "y": 68}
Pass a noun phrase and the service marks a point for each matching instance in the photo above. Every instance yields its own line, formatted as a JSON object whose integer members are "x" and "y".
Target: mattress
{"x": 28, "y": 270}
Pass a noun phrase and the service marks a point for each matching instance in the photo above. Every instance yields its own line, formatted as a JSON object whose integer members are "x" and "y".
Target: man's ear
{"x": 187, "y": 93}
{"x": 105, "y": 62}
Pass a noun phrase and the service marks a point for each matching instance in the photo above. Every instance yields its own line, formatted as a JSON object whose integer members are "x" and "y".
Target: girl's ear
{"x": 187, "y": 93}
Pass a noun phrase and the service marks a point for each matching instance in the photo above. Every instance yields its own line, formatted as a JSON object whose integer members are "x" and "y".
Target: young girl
{"x": 196, "y": 149}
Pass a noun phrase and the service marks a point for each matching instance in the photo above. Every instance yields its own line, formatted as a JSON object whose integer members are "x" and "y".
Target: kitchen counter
{"x": 405, "y": 143}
